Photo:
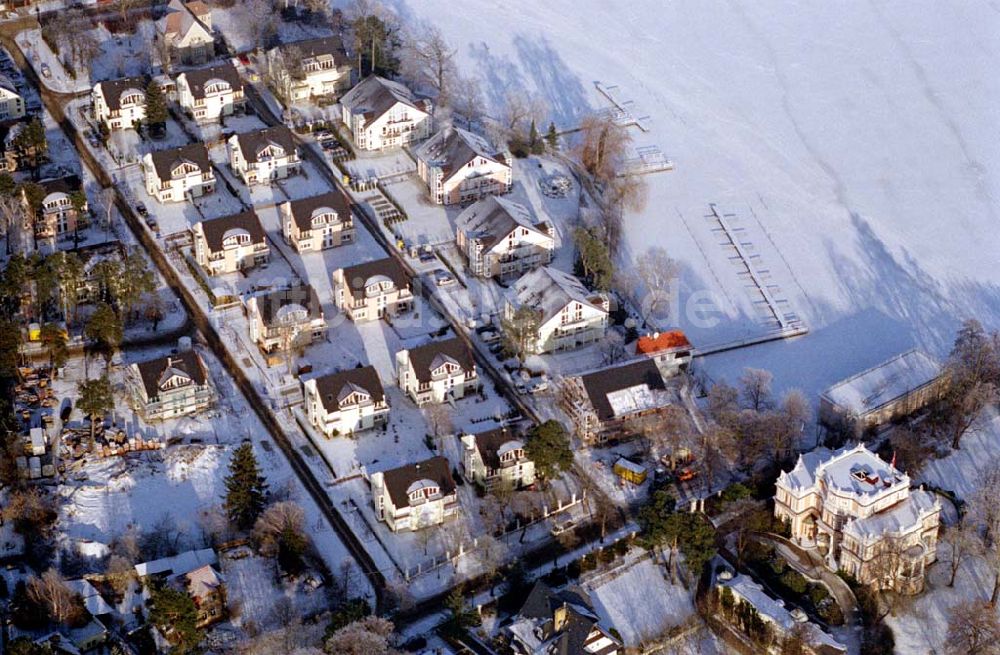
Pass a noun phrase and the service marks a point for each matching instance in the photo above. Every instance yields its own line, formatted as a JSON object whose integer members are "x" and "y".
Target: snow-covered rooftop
{"x": 856, "y": 470}
{"x": 178, "y": 564}
{"x": 901, "y": 519}
{"x": 879, "y": 385}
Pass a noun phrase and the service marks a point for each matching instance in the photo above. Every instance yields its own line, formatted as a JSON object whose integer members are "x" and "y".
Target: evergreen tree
{"x": 95, "y": 400}
{"x": 548, "y": 447}
{"x": 105, "y": 328}
{"x": 156, "y": 108}
{"x": 175, "y": 614}
{"x": 535, "y": 143}
{"x": 54, "y": 340}
{"x": 7, "y": 185}
{"x": 552, "y": 137}
{"x": 246, "y": 488}
{"x": 30, "y": 144}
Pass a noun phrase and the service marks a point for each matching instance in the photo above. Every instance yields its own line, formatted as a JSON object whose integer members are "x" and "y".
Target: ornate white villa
{"x": 415, "y": 496}
{"x": 862, "y": 515}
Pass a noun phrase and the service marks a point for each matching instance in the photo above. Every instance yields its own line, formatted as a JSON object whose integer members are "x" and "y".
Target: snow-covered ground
{"x": 852, "y": 140}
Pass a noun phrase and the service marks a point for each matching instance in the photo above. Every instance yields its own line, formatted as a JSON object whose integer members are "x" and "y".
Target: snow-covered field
{"x": 853, "y": 140}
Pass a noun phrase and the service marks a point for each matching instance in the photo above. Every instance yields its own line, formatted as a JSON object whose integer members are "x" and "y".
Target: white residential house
{"x": 437, "y": 371}
{"x": 346, "y": 402}
{"x": 230, "y": 243}
{"x": 373, "y": 290}
{"x": 502, "y": 238}
{"x": 496, "y": 457}
{"x": 58, "y": 216}
{"x": 11, "y": 101}
{"x": 119, "y": 103}
{"x": 265, "y": 155}
{"x": 178, "y": 174}
{"x": 286, "y": 318}
{"x": 186, "y": 29}
{"x": 317, "y": 222}
{"x": 382, "y": 114}
{"x": 862, "y": 514}
{"x": 171, "y": 386}
{"x": 460, "y": 167}
{"x": 604, "y": 402}
{"x": 568, "y": 315}
{"x": 210, "y": 93}
{"x": 313, "y": 68}
{"x": 415, "y": 496}
{"x": 671, "y": 351}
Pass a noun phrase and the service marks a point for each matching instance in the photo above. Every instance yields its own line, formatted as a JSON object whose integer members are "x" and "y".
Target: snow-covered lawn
{"x": 640, "y": 602}
{"x": 962, "y": 470}
{"x": 38, "y": 54}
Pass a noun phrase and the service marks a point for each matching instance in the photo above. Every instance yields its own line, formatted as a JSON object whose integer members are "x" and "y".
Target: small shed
{"x": 629, "y": 471}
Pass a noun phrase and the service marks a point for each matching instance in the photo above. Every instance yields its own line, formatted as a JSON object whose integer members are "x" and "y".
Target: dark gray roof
{"x": 435, "y": 469}
{"x": 215, "y": 229}
{"x": 600, "y": 383}
{"x": 580, "y": 617}
{"x": 112, "y": 90}
{"x": 330, "y": 386}
{"x": 152, "y": 371}
{"x": 268, "y": 304}
{"x": 356, "y": 276}
{"x": 427, "y": 357}
{"x": 489, "y": 442}
{"x": 252, "y": 143}
{"x": 164, "y": 161}
{"x": 492, "y": 218}
{"x": 452, "y": 148}
{"x": 199, "y": 77}
{"x": 374, "y": 95}
{"x": 68, "y": 184}
{"x": 318, "y": 47}
{"x": 302, "y": 209}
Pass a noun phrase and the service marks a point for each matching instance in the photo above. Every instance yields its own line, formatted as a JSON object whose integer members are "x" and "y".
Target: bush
{"x": 794, "y": 581}
{"x": 878, "y": 640}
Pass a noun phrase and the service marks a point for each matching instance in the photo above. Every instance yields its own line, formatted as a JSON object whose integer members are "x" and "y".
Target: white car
{"x": 443, "y": 278}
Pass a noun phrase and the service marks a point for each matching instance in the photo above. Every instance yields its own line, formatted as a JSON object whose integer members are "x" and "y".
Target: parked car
{"x": 46, "y": 71}
{"x": 141, "y": 208}
{"x": 443, "y": 278}
{"x": 562, "y": 527}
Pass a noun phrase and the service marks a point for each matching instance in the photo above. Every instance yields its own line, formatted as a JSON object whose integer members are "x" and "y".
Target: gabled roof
{"x": 399, "y": 480}
{"x": 112, "y": 90}
{"x": 324, "y": 46}
{"x": 549, "y": 290}
{"x": 490, "y": 442}
{"x": 624, "y": 388}
{"x": 356, "y": 276}
{"x": 215, "y": 229}
{"x": 334, "y": 386}
{"x": 581, "y": 619}
{"x": 182, "y": 17}
{"x": 203, "y": 581}
{"x": 251, "y": 144}
{"x": 302, "y": 209}
{"x": 269, "y": 304}
{"x": 165, "y": 161}
{"x": 452, "y": 148}
{"x": 492, "y": 218}
{"x": 374, "y": 96}
{"x": 881, "y": 384}
{"x": 178, "y": 564}
{"x": 197, "y": 78}
{"x": 6, "y": 83}
{"x": 152, "y": 371}
{"x": 424, "y": 359}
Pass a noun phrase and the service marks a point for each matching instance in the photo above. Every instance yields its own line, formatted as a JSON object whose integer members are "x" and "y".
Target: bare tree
{"x": 439, "y": 419}
{"x": 755, "y": 389}
{"x": 277, "y": 520}
{"x": 658, "y": 272}
{"x": 973, "y": 629}
{"x": 432, "y": 61}
{"x": 51, "y": 592}
{"x": 371, "y": 635}
{"x": 466, "y": 97}
{"x": 962, "y": 542}
{"x": 612, "y": 348}
{"x": 262, "y": 21}
{"x": 119, "y": 573}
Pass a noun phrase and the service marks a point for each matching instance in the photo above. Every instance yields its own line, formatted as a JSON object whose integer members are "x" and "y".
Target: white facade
{"x": 323, "y": 68}
{"x": 288, "y": 317}
{"x": 119, "y": 103}
{"x": 347, "y": 402}
{"x": 437, "y": 371}
{"x": 187, "y": 30}
{"x": 570, "y": 316}
{"x": 208, "y": 94}
{"x": 383, "y": 114}
{"x": 460, "y": 167}
{"x": 263, "y": 156}
{"x": 317, "y": 223}
{"x": 496, "y": 457}
{"x": 416, "y": 496}
{"x": 502, "y": 238}
{"x": 862, "y": 514}
{"x": 372, "y": 291}
{"x": 11, "y": 102}
{"x": 179, "y": 174}
{"x": 230, "y": 244}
